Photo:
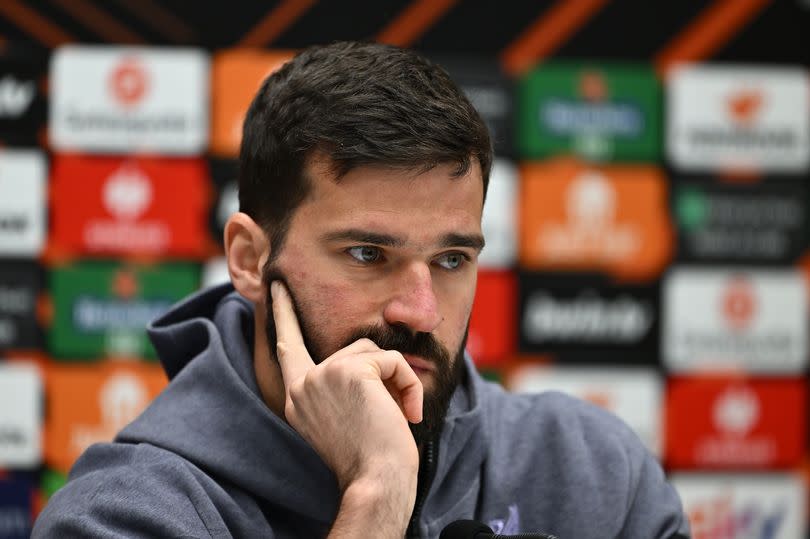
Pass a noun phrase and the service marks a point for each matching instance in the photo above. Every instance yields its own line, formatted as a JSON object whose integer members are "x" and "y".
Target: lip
{"x": 418, "y": 364}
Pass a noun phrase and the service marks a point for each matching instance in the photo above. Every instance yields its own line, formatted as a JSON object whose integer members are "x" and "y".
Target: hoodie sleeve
{"x": 113, "y": 494}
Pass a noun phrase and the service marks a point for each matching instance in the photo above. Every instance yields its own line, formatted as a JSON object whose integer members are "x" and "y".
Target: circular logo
{"x": 739, "y": 303}
{"x": 129, "y": 82}
{"x": 127, "y": 193}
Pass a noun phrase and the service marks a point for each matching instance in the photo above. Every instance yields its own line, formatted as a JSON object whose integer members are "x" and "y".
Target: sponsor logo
{"x": 167, "y": 124}
{"x": 91, "y": 314}
{"x": 129, "y": 82}
{"x": 122, "y": 318}
{"x": 593, "y": 113}
{"x": 738, "y": 303}
{"x": 15, "y": 96}
{"x": 611, "y": 218}
{"x": 591, "y": 226}
{"x": 735, "y": 413}
{"x": 585, "y": 318}
{"x": 129, "y": 206}
{"x": 16, "y": 301}
{"x": 606, "y": 113}
{"x": 744, "y": 107}
{"x": 756, "y": 223}
{"x": 569, "y": 117}
{"x": 90, "y": 404}
{"x": 121, "y": 399}
{"x": 718, "y": 518}
{"x": 22, "y": 201}
{"x": 744, "y": 140}
{"x": 129, "y": 101}
{"x": 722, "y": 319}
{"x": 14, "y": 224}
{"x": 739, "y": 118}
{"x": 127, "y": 194}
{"x": 724, "y": 422}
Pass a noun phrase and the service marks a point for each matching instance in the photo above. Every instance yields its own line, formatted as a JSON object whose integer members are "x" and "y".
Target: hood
{"x": 212, "y": 414}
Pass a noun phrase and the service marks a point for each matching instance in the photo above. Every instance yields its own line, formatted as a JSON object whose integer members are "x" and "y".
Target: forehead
{"x": 388, "y": 198}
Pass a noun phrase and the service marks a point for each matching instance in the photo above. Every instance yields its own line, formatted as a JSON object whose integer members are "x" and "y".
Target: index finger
{"x": 291, "y": 352}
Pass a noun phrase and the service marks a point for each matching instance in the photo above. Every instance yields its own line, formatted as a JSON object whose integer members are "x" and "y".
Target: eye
{"x": 452, "y": 261}
{"x": 365, "y": 254}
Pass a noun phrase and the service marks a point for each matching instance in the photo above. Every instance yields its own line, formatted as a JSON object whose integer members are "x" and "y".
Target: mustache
{"x": 401, "y": 339}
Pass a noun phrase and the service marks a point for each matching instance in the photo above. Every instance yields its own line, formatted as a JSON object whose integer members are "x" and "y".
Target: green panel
{"x": 607, "y": 113}
{"x": 51, "y": 481}
{"x": 101, "y": 309}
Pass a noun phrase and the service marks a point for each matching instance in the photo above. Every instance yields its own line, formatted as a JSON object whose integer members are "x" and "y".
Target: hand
{"x": 353, "y": 409}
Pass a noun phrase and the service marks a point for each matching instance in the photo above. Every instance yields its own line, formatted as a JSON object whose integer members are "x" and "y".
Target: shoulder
{"x": 116, "y": 488}
{"x": 561, "y": 417}
{"x": 587, "y": 458}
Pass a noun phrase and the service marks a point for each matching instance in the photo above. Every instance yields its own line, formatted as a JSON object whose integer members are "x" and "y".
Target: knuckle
{"x": 367, "y": 343}
{"x": 295, "y": 391}
{"x": 289, "y": 411}
{"x": 335, "y": 370}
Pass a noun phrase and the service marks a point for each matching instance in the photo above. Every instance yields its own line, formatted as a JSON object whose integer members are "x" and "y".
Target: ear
{"x": 247, "y": 250}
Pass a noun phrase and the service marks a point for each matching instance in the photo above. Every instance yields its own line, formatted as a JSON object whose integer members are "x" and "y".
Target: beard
{"x": 448, "y": 369}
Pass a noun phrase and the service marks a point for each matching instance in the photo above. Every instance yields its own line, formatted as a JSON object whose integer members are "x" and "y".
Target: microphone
{"x": 472, "y": 529}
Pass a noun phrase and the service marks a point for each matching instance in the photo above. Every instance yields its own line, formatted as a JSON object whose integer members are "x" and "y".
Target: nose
{"x": 413, "y": 302}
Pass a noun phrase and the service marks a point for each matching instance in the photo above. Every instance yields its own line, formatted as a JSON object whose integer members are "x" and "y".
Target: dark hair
{"x": 359, "y": 104}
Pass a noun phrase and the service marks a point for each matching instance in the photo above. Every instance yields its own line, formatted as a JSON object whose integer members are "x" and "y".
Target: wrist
{"x": 380, "y": 504}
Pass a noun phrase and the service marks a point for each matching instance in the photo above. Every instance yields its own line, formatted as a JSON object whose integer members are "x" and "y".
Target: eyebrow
{"x": 363, "y": 236}
{"x": 472, "y": 241}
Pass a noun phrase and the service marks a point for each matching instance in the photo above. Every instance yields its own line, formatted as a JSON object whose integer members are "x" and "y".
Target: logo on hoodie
{"x": 508, "y": 526}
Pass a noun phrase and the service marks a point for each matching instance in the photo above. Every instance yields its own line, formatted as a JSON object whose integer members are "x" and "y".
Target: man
{"x": 329, "y": 394}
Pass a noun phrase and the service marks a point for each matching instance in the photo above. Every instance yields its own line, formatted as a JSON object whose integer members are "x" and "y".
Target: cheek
{"x": 333, "y": 309}
{"x": 456, "y": 318}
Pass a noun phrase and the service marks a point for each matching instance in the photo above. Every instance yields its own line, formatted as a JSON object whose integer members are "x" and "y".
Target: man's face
{"x": 392, "y": 256}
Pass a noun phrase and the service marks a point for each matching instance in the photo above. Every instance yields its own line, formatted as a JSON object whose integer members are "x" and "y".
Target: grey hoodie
{"x": 209, "y": 459}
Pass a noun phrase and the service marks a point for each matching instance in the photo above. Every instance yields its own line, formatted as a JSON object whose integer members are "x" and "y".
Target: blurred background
{"x": 648, "y": 246}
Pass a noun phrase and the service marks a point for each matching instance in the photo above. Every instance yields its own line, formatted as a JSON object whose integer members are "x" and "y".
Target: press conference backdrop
{"x": 647, "y": 220}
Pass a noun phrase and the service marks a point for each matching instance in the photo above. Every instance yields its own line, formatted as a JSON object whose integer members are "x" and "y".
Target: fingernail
{"x": 274, "y": 288}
